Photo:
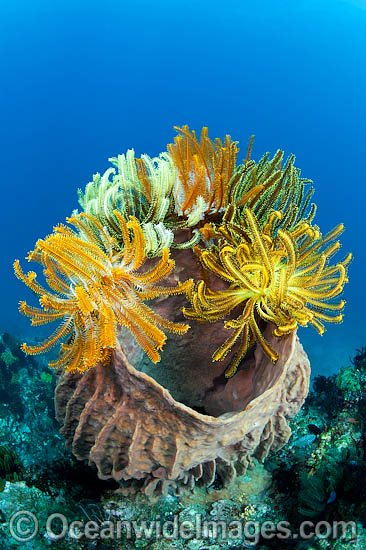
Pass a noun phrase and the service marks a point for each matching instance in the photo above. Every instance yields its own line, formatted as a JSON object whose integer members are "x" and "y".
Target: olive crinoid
{"x": 96, "y": 286}
{"x": 209, "y": 180}
{"x": 281, "y": 277}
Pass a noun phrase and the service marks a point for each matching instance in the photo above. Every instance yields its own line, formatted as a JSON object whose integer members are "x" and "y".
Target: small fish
{"x": 304, "y": 440}
{"x": 314, "y": 429}
{"x": 332, "y": 497}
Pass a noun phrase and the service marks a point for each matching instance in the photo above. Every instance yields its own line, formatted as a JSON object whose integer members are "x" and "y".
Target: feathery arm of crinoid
{"x": 135, "y": 187}
{"x": 272, "y": 184}
{"x": 204, "y": 170}
{"x": 96, "y": 286}
{"x": 278, "y": 276}
{"x": 142, "y": 188}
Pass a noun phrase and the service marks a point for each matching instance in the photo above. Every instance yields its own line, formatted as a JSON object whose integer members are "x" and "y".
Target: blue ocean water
{"x": 83, "y": 81}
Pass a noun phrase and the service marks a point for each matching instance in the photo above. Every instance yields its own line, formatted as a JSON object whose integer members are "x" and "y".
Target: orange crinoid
{"x": 95, "y": 286}
{"x": 204, "y": 168}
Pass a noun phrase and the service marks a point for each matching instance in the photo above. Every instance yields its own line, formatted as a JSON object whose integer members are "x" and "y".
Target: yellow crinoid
{"x": 95, "y": 286}
{"x": 279, "y": 276}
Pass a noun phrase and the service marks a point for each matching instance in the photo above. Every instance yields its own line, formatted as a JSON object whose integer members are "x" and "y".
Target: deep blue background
{"x": 83, "y": 81}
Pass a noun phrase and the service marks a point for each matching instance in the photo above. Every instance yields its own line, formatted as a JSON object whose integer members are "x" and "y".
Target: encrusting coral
{"x": 235, "y": 241}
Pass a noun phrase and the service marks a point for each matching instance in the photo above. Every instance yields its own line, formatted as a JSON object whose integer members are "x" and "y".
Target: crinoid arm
{"x": 279, "y": 276}
{"x": 95, "y": 285}
{"x": 204, "y": 170}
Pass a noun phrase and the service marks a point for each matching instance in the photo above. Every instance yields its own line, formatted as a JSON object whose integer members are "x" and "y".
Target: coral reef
{"x": 315, "y": 477}
{"x": 28, "y": 425}
{"x": 10, "y": 466}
